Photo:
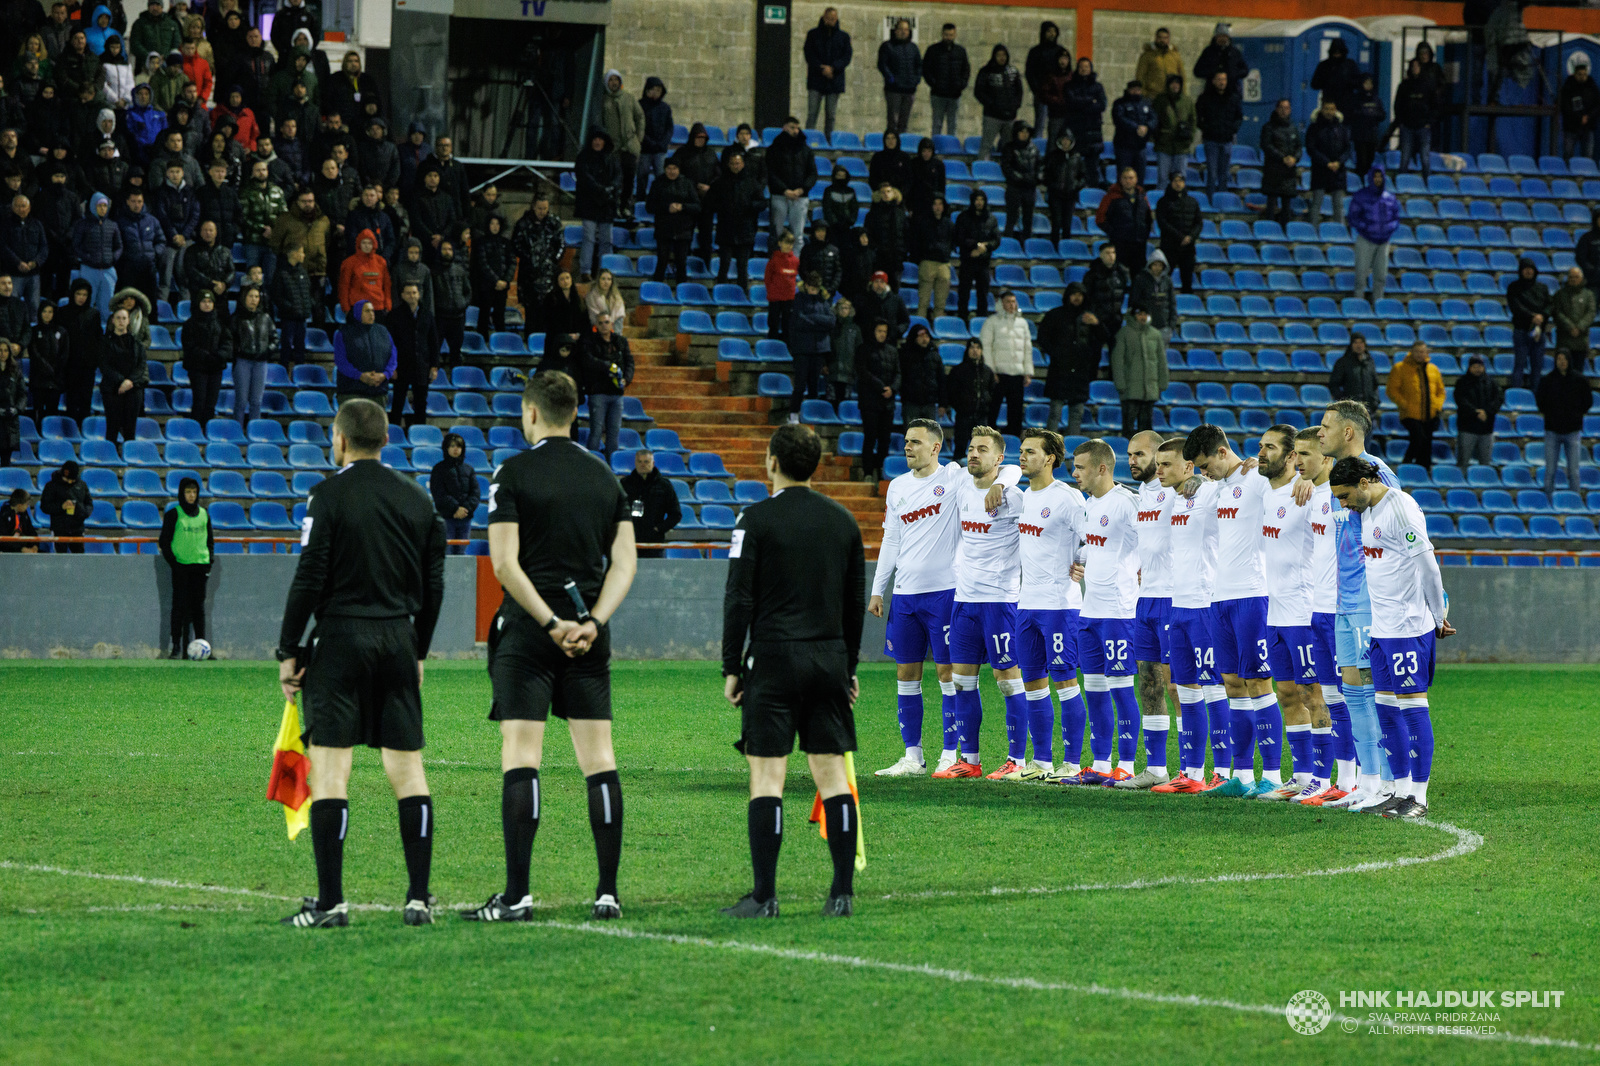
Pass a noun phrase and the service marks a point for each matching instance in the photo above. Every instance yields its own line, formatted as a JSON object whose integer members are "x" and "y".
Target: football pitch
{"x": 142, "y": 874}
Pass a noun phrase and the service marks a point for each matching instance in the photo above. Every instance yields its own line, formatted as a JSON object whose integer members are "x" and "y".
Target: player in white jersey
{"x": 1190, "y": 623}
{"x": 1288, "y": 546}
{"x": 1332, "y": 749}
{"x": 1239, "y": 611}
{"x": 1150, "y": 634}
{"x": 1408, "y": 616}
{"x": 1047, "y": 611}
{"x": 983, "y": 622}
{"x": 1109, "y": 566}
{"x": 921, "y": 531}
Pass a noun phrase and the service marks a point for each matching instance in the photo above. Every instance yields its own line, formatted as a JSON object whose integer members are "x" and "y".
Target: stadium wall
{"x": 116, "y": 607}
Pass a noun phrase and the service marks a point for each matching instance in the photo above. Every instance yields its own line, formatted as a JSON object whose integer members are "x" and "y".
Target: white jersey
{"x": 1111, "y": 555}
{"x": 1394, "y": 538}
{"x": 1051, "y": 528}
{"x": 1324, "y": 552}
{"x": 1240, "y": 572}
{"x": 921, "y": 529}
{"x": 1155, "y": 535}
{"x": 1194, "y": 547}
{"x": 989, "y": 557}
{"x": 1287, "y": 545}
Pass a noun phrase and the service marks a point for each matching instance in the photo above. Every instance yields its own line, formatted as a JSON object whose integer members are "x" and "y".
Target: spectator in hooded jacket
{"x": 967, "y": 389}
{"x": 1222, "y": 56}
{"x": 1152, "y": 289}
{"x": 933, "y": 237}
{"x": 364, "y": 276}
{"x": 622, "y": 117}
{"x": 655, "y": 139}
{"x": 791, "y": 171}
{"x": 1139, "y": 368}
{"x": 698, "y": 162}
{"x": 900, "y": 63}
{"x": 1219, "y": 114}
{"x": 1328, "y": 144}
{"x": 845, "y": 341}
{"x": 255, "y": 342}
{"x": 207, "y": 351}
{"x": 877, "y": 385}
{"x": 947, "y": 71}
{"x": 921, "y": 376}
{"x": 675, "y": 205}
{"x": 1280, "y": 159}
{"x": 493, "y": 268}
{"x": 1008, "y": 349}
{"x": 14, "y": 399}
{"x": 1415, "y": 110}
{"x": 454, "y": 487}
{"x": 1085, "y": 107}
{"x": 1564, "y": 397}
{"x": 600, "y": 179}
{"x": 1338, "y": 76}
{"x": 1530, "y": 305}
{"x": 827, "y": 53}
{"x": 1579, "y": 102}
{"x": 821, "y": 256}
{"x": 1479, "y": 398}
{"x": 1373, "y": 217}
{"x": 123, "y": 376}
{"x": 885, "y": 224}
{"x": 810, "y": 342}
{"x": 48, "y": 353}
{"x": 782, "y": 271}
{"x": 1065, "y": 175}
{"x": 68, "y": 504}
{"x": 1355, "y": 377}
{"x": 1105, "y": 284}
{"x": 82, "y": 322}
{"x": 998, "y": 87}
{"x": 1019, "y": 162}
{"x": 377, "y": 161}
{"x": 1133, "y": 121}
{"x": 977, "y": 234}
{"x": 1039, "y": 66}
{"x": 1368, "y": 120}
{"x": 1174, "y": 129}
{"x": 1178, "y": 215}
{"x": 188, "y": 545}
{"x": 1072, "y": 338}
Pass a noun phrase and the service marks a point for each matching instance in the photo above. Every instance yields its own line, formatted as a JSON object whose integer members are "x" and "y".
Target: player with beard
{"x": 1150, "y": 633}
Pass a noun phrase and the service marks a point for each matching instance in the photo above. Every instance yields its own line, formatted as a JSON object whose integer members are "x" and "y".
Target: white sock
{"x": 1419, "y": 792}
{"x": 1403, "y": 786}
{"x": 949, "y": 753}
{"x": 1273, "y": 776}
{"x": 915, "y": 752}
{"x": 1348, "y": 774}
{"x": 1103, "y": 766}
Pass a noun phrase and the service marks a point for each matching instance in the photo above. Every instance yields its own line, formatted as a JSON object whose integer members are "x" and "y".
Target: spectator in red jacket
{"x": 782, "y": 270}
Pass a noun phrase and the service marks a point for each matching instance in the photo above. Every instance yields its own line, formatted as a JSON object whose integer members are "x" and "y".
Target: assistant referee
{"x": 372, "y": 573}
{"x": 795, "y": 571}
{"x": 562, "y": 546}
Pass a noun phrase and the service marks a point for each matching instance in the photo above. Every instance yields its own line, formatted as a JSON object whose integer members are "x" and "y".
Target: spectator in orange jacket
{"x": 198, "y": 69}
{"x": 1417, "y": 389}
{"x": 364, "y": 275}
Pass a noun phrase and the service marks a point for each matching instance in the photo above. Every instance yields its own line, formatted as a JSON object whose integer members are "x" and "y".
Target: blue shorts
{"x": 917, "y": 622}
{"x": 1322, "y": 636}
{"x": 1150, "y": 643}
{"x": 1047, "y": 644}
{"x": 1105, "y": 646}
{"x": 1402, "y": 665}
{"x": 1352, "y": 634}
{"x": 1241, "y": 638}
{"x": 1292, "y": 654}
{"x": 1194, "y": 658}
{"x": 983, "y": 633}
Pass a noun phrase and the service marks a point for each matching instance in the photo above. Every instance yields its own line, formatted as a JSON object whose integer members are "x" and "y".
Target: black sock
{"x": 416, "y": 837}
{"x": 519, "y": 819}
{"x": 766, "y": 837}
{"x": 330, "y": 819}
{"x": 841, "y": 819}
{"x": 605, "y": 821}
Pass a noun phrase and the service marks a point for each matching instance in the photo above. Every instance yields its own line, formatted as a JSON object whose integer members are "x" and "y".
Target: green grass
{"x": 158, "y": 771}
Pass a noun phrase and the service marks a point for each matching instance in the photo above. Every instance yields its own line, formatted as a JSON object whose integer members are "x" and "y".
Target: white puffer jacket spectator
{"x": 1007, "y": 346}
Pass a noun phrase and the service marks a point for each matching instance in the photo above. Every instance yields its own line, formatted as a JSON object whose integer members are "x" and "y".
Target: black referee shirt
{"x": 371, "y": 547}
{"x": 795, "y": 572}
{"x": 567, "y": 504}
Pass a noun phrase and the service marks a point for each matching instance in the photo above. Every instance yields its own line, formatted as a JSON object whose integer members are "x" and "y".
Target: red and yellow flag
{"x": 822, "y": 823}
{"x": 289, "y": 783}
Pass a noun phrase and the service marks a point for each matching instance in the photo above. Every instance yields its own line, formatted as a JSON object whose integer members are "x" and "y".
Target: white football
{"x": 199, "y": 649}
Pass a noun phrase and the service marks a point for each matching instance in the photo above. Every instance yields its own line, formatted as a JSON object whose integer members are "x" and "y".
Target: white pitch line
{"x": 1466, "y": 843}
{"x": 1030, "y": 984}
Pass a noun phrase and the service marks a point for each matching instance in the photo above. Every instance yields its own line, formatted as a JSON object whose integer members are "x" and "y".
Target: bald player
{"x": 1150, "y": 647}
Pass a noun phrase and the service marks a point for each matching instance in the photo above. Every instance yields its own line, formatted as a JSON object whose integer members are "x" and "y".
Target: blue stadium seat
{"x": 271, "y": 517}
{"x": 707, "y": 464}
{"x": 708, "y": 490}
{"x": 312, "y": 404}
{"x": 717, "y": 516}
{"x": 304, "y": 457}
{"x": 259, "y": 457}
{"x": 818, "y": 413}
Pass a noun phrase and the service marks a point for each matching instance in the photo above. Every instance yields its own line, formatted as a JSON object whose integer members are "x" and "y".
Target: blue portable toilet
{"x": 1554, "y": 56}
{"x": 1283, "y": 55}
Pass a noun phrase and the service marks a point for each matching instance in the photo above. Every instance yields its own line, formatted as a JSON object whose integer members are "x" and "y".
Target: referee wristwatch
{"x": 292, "y": 653}
{"x": 550, "y": 626}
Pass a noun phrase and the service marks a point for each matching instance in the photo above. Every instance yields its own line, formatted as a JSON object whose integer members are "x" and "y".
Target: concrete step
{"x": 643, "y": 387}
{"x": 711, "y": 408}
{"x": 674, "y": 373}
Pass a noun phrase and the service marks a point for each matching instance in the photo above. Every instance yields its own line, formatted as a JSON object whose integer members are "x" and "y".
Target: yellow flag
{"x": 289, "y": 782}
{"x": 822, "y": 823}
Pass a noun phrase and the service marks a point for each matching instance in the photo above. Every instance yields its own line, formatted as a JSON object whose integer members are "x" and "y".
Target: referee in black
{"x": 562, "y": 546}
{"x": 372, "y": 573}
{"x": 795, "y": 571}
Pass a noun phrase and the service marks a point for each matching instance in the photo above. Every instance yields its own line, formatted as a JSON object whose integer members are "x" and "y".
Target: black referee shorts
{"x": 361, "y": 685}
{"x": 797, "y": 688}
{"x": 532, "y": 677}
